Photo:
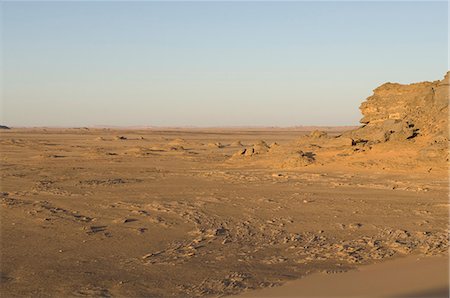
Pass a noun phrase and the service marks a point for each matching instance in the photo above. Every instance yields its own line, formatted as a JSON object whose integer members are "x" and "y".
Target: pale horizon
{"x": 211, "y": 64}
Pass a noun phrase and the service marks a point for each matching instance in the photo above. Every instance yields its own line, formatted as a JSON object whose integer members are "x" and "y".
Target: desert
{"x": 209, "y": 212}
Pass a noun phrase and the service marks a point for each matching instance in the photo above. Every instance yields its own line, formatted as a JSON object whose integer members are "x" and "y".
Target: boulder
{"x": 318, "y": 134}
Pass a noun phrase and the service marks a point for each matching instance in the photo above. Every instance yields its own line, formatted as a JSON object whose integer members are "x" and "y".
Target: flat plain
{"x": 190, "y": 212}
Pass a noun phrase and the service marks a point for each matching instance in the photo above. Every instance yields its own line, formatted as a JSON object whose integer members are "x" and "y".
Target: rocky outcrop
{"x": 260, "y": 147}
{"x": 397, "y": 112}
{"x": 403, "y": 126}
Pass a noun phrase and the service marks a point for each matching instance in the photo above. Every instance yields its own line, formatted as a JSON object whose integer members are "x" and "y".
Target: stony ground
{"x": 185, "y": 213}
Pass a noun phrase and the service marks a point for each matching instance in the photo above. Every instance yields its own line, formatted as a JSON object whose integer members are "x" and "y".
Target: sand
{"x": 405, "y": 277}
{"x": 160, "y": 213}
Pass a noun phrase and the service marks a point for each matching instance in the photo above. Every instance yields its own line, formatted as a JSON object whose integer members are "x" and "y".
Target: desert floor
{"x": 411, "y": 277}
{"x": 170, "y": 213}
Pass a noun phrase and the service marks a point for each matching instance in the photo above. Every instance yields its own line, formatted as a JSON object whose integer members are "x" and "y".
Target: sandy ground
{"x": 405, "y": 277}
{"x": 171, "y": 213}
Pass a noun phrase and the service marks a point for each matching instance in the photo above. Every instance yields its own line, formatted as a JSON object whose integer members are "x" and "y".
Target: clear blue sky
{"x": 211, "y": 64}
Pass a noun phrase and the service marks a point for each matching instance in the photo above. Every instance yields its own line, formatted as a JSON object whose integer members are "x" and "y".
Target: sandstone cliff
{"x": 403, "y": 127}
{"x": 397, "y": 112}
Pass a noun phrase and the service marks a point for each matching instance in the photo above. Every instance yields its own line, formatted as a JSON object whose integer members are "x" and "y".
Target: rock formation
{"x": 403, "y": 126}
{"x": 397, "y": 112}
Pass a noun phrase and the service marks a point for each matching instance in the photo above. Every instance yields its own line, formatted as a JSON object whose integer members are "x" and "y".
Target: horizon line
{"x": 174, "y": 126}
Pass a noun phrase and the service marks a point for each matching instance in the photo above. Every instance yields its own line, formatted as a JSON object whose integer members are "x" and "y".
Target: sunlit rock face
{"x": 403, "y": 126}
{"x": 397, "y": 112}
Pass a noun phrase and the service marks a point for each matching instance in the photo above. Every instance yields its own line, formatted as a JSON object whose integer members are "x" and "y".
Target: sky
{"x": 211, "y": 63}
